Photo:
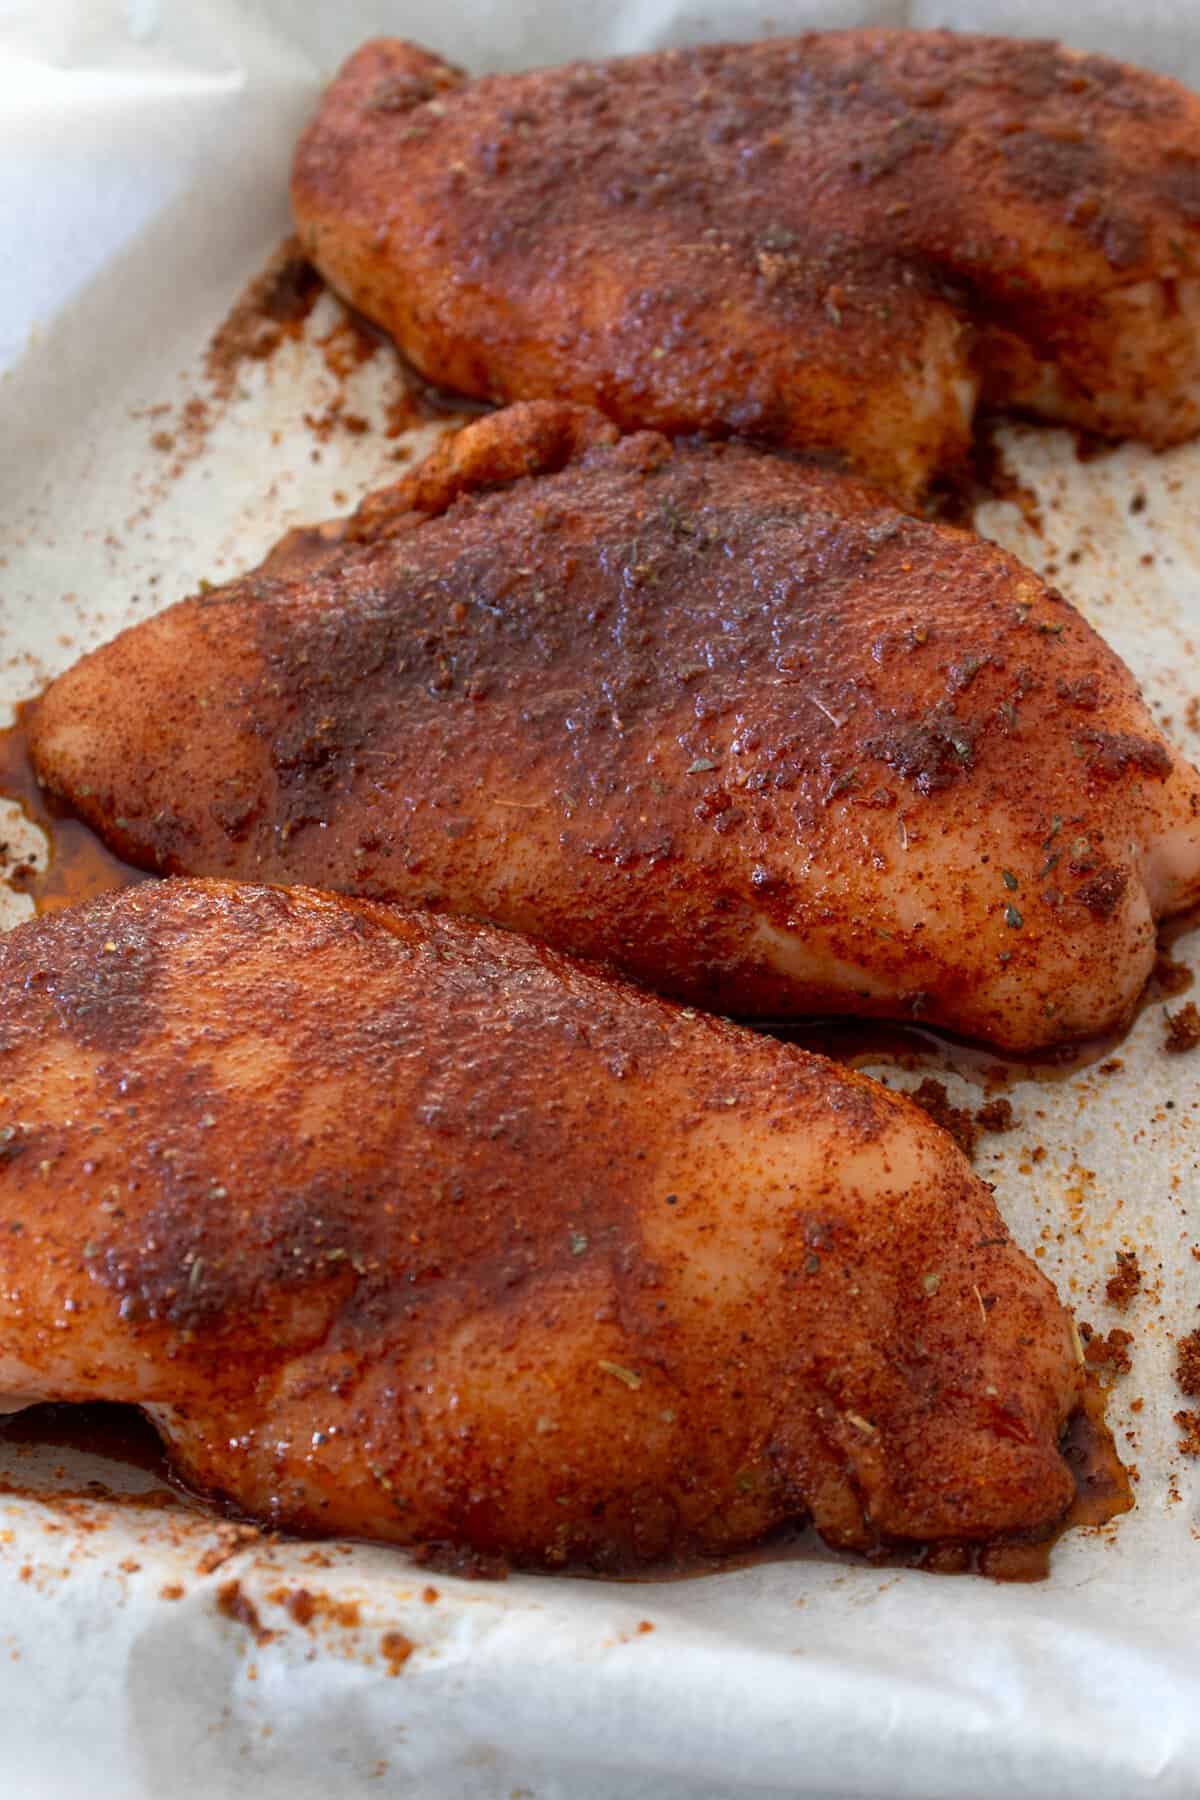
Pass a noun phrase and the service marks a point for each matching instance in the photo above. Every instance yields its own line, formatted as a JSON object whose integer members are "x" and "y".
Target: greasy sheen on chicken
{"x": 734, "y": 725}
{"x": 407, "y": 1228}
{"x": 837, "y": 242}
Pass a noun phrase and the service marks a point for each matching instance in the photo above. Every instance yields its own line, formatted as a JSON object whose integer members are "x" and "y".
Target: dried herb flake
{"x": 621, "y": 1373}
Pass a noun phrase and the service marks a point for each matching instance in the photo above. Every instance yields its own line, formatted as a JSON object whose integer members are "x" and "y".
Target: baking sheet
{"x": 148, "y": 1651}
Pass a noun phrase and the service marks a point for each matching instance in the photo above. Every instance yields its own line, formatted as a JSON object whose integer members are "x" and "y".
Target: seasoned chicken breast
{"x": 407, "y": 1228}
{"x": 838, "y": 242}
{"x": 735, "y": 725}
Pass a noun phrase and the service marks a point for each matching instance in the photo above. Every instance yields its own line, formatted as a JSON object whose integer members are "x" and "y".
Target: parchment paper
{"x": 150, "y": 1653}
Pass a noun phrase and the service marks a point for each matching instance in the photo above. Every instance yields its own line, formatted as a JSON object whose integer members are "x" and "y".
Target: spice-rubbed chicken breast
{"x": 835, "y": 242}
{"x": 735, "y": 725}
{"x": 406, "y": 1228}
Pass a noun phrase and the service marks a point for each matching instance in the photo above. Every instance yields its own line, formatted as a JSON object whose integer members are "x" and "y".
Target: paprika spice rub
{"x": 838, "y": 243}
{"x": 736, "y": 725}
{"x": 406, "y": 1228}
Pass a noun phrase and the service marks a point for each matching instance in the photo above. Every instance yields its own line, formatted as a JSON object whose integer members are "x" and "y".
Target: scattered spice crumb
{"x": 1125, "y": 1280}
{"x": 1183, "y": 1029}
{"x": 396, "y": 1650}
{"x": 335, "y": 418}
{"x": 1113, "y": 1066}
{"x": 302, "y": 1606}
{"x": 231, "y": 1539}
{"x": 305, "y": 1606}
{"x": 645, "y": 1625}
{"x": 1187, "y": 1364}
{"x": 171, "y": 1590}
{"x": 238, "y": 1606}
{"x": 429, "y": 1595}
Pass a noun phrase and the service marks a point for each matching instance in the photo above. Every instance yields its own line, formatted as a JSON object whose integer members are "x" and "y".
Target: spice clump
{"x": 1189, "y": 1432}
{"x": 1187, "y": 1363}
{"x": 1183, "y": 1029}
{"x": 1125, "y": 1280}
{"x": 959, "y": 1122}
{"x": 1108, "y": 1355}
{"x": 956, "y": 1121}
{"x": 995, "y": 1115}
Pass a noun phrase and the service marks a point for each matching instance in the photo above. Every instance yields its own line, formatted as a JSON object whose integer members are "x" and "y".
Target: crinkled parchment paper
{"x": 154, "y": 1652}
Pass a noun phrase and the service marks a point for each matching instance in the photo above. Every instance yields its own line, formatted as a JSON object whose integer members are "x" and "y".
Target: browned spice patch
{"x": 231, "y": 1539}
{"x": 79, "y": 865}
{"x": 1171, "y": 977}
{"x": 301, "y": 1604}
{"x": 238, "y": 1606}
{"x": 350, "y": 342}
{"x": 191, "y": 432}
{"x": 995, "y": 1115}
{"x": 963, "y": 1126}
{"x": 171, "y": 1590}
{"x": 1089, "y": 447}
{"x": 274, "y": 307}
{"x": 271, "y": 307}
{"x": 1189, "y": 1432}
{"x": 992, "y": 477}
{"x": 396, "y": 1650}
{"x": 1108, "y": 1355}
{"x": 15, "y": 864}
{"x": 305, "y": 1606}
{"x": 1183, "y": 1029}
{"x": 335, "y": 418}
{"x": 466, "y": 1563}
{"x": 1125, "y": 1280}
{"x": 932, "y": 1098}
{"x": 1187, "y": 1363}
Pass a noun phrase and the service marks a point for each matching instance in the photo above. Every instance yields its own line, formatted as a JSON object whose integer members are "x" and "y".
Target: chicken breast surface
{"x": 407, "y": 1228}
{"x": 838, "y": 242}
{"x": 734, "y": 725}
